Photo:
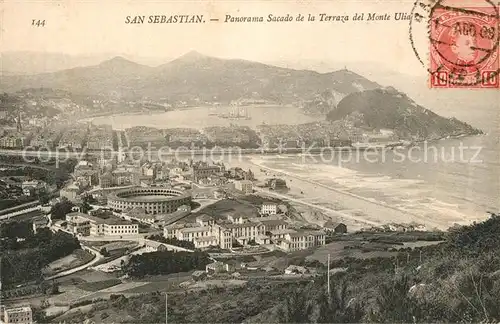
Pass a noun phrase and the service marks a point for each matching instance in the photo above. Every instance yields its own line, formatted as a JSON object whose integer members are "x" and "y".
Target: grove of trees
{"x": 166, "y": 262}
{"x": 23, "y": 260}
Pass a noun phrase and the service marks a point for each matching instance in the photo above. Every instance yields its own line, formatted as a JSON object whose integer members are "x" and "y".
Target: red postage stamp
{"x": 464, "y": 47}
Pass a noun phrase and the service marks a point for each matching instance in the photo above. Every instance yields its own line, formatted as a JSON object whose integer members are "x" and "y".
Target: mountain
{"x": 115, "y": 75}
{"x": 389, "y": 108}
{"x": 29, "y": 63}
{"x": 195, "y": 76}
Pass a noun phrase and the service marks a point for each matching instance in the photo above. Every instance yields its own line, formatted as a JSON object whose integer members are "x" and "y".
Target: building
{"x": 18, "y": 315}
{"x": 78, "y": 223}
{"x": 154, "y": 200}
{"x": 33, "y": 184}
{"x": 106, "y": 180}
{"x": 39, "y": 222}
{"x": 225, "y": 237}
{"x": 340, "y": 229}
{"x": 277, "y": 235}
{"x": 243, "y": 233}
{"x": 139, "y": 215}
{"x": 70, "y": 192}
{"x": 201, "y": 171}
{"x": 205, "y": 242}
{"x": 217, "y": 267}
{"x": 245, "y": 186}
{"x": 13, "y": 141}
{"x": 206, "y": 232}
{"x": 87, "y": 178}
{"x": 149, "y": 170}
{"x": 33, "y": 187}
{"x": 333, "y": 227}
{"x": 269, "y": 209}
{"x": 293, "y": 269}
{"x": 190, "y": 233}
{"x": 122, "y": 178}
{"x": 302, "y": 240}
{"x": 116, "y": 227}
{"x": 199, "y": 275}
{"x": 205, "y": 220}
{"x": 273, "y": 225}
{"x": 84, "y": 224}
{"x": 235, "y": 219}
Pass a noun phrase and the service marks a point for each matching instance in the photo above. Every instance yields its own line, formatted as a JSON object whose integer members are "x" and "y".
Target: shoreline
{"x": 27, "y": 151}
{"x": 340, "y": 205}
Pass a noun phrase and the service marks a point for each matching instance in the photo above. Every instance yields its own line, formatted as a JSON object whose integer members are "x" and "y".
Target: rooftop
{"x": 98, "y": 220}
{"x": 194, "y": 229}
{"x": 273, "y": 222}
{"x": 283, "y": 231}
{"x": 18, "y": 309}
{"x": 331, "y": 224}
{"x": 306, "y": 233}
{"x": 204, "y": 217}
{"x": 248, "y": 224}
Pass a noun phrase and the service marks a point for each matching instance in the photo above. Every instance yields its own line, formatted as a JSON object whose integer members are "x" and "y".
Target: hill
{"x": 389, "y": 108}
{"x": 114, "y": 75}
{"x": 195, "y": 76}
{"x": 455, "y": 281}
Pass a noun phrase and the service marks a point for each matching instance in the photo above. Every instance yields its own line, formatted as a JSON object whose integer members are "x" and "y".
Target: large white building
{"x": 269, "y": 209}
{"x": 245, "y": 186}
{"x": 302, "y": 240}
{"x": 83, "y": 224}
{"x": 206, "y": 232}
{"x": 18, "y": 315}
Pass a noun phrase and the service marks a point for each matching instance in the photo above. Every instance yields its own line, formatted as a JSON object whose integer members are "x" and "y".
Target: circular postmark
{"x": 461, "y": 42}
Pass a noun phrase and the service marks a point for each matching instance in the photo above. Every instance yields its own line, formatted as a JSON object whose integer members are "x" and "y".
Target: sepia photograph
{"x": 289, "y": 161}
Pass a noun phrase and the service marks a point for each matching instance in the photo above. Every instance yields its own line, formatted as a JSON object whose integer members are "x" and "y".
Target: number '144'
{"x": 37, "y": 22}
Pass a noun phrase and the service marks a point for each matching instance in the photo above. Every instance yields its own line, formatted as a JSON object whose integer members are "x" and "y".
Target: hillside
{"x": 389, "y": 108}
{"x": 455, "y": 281}
{"x": 108, "y": 77}
{"x": 194, "y": 76}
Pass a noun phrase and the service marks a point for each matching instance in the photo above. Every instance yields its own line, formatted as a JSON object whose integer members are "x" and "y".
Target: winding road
{"x": 97, "y": 257}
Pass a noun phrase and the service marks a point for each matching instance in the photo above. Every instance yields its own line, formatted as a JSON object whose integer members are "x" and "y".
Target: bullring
{"x": 153, "y": 200}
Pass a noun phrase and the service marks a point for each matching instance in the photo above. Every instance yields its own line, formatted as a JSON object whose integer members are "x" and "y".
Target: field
{"x": 216, "y": 305}
{"x": 161, "y": 283}
{"x": 99, "y": 285}
{"x": 77, "y": 258}
{"x": 221, "y": 208}
{"x": 118, "y": 245}
{"x": 358, "y": 245}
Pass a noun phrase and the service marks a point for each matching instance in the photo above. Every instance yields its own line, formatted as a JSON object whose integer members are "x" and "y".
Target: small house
{"x": 199, "y": 275}
{"x": 333, "y": 227}
{"x": 217, "y": 267}
{"x": 293, "y": 269}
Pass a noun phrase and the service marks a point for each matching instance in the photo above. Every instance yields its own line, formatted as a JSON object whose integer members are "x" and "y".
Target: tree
{"x": 338, "y": 307}
{"x": 104, "y": 252}
{"x": 54, "y": 289}
{"x": 43, "y": 197}
{"x": 296, "y": 309}
{"x": 59, "y": 210}
{"x": 393, "y": 301}
{"x": 86, "y": 201}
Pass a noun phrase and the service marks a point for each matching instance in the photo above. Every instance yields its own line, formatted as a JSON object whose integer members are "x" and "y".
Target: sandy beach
{"x": 319, "y": 202}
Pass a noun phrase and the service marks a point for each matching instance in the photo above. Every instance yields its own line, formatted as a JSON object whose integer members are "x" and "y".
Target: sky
{"x": 92, "y": 27}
